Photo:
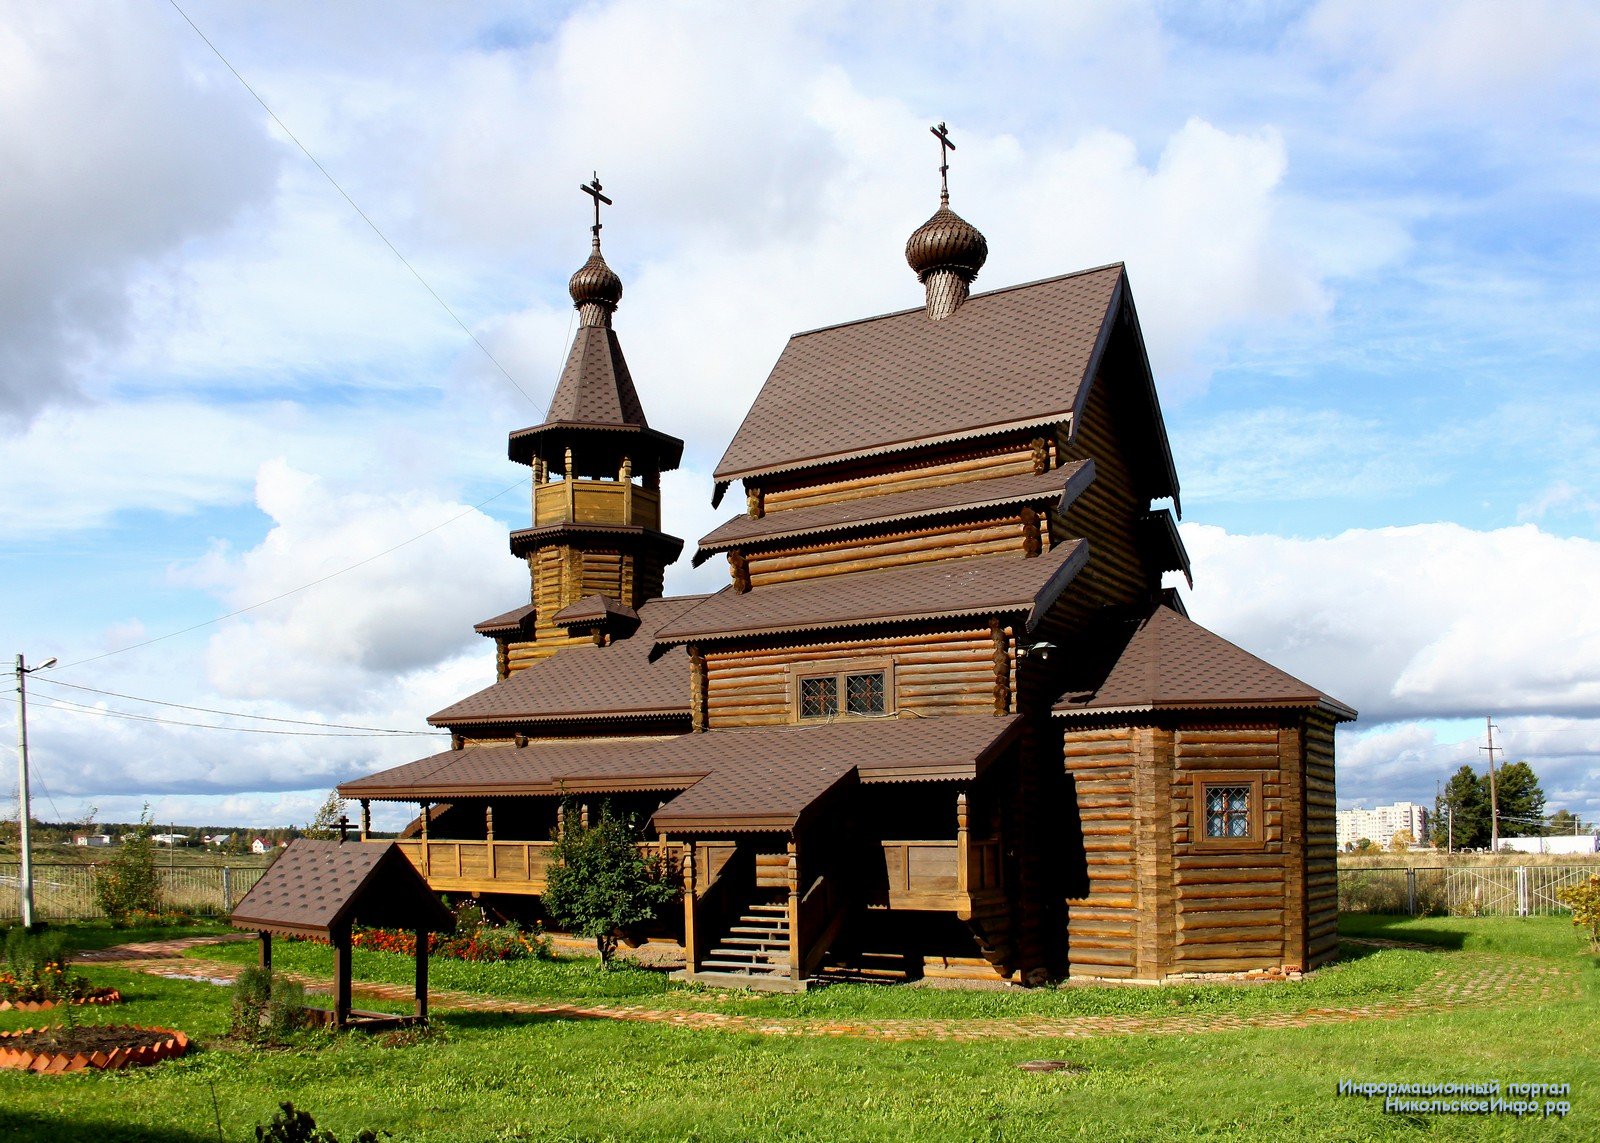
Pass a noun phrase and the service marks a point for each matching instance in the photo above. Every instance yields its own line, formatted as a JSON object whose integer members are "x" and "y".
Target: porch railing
{"x": 495, "y": 866}
{"x": 940, "y": 874}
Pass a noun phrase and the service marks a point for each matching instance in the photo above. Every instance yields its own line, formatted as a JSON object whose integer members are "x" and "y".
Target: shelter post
{"x": 422, "y": 974}
{"x": 266, "y": 950}
{"x": 341, "y": 975}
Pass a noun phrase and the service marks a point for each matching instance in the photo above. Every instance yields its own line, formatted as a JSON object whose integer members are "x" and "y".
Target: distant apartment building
{"x": 1381, "y": 824}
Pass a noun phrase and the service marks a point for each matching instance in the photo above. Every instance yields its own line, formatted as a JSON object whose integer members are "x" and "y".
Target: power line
{"x": 230, "y": 713}
{"x": 335, "y": 184}
{"x": 292, "y": 590}
{"x": 79, "y": 708}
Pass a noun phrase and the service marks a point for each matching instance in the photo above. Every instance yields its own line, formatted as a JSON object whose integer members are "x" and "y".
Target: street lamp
{"x": 24, "y": 833}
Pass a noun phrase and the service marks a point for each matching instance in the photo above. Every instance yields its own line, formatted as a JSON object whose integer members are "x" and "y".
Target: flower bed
{"x": 52, "y": 1051}
{"x": 93, "y": 996}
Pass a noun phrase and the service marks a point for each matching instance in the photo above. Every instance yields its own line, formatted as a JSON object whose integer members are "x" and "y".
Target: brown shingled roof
{"x": 1171, "y": 662}
{"x": 1061, "y": 484}
{"x": 1023, "y": 353}
{"x": 518, "y": 620}
{"x": 975, "y": 585}
{"x": 596, "y": 387}
{"x": 756, "y": 778}
{"x": 629, "y": 678}
{"x": 317, "y": 886}
{"x": 594, "y": 609}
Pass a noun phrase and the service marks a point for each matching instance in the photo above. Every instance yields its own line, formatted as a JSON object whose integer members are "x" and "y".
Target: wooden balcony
{"x": 494, "y": 866}
{"x": 940, "y": 875}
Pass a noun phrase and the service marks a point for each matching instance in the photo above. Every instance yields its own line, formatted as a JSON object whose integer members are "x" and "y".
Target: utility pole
{"x": 1494, "y": 798}
{"x": 24, "y": 830}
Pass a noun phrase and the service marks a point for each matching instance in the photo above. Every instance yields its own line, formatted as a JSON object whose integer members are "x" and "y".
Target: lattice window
{"x": 864, "y": 693}
{"x": 1228, "y": 812}
{"x": 819, "y": 697}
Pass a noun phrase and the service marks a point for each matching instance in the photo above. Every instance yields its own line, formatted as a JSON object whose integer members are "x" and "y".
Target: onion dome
{"x": 947, "y": 242}
{"x": 595, "y": 288}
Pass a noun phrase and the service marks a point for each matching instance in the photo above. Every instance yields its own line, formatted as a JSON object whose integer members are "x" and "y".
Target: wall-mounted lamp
{"x": 1040, "y": 650}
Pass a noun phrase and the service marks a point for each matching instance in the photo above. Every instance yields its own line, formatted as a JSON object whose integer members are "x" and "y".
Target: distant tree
{"x": 326, "y": 824}
{"x": 1466, "y": 797}
{"x": 1364, "y": 845}
{"x": 1521, "y": 801}
{"x": 1401, "y": 841}
{"x": 599, "y": 884}
{"x": 1564, "y": 823}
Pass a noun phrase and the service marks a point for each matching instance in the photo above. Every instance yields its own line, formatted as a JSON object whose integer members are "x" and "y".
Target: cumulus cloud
{"x": 1431, "y": 620}
{"x": 354, "y": 635}
{"x": 115, "y": 155}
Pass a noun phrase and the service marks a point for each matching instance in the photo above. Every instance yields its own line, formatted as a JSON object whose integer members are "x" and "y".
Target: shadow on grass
{"x": 463, "y": 1020}
{"x": 1439, "y": 932}
{"x": 41, "y": 1127}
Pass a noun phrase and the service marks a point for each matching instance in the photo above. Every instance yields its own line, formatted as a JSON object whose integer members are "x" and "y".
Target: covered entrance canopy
{"x": 324, "y": 888}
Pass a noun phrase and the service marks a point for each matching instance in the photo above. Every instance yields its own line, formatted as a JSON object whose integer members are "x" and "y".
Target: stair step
{"x": 757, "y": 942}
{"x": 756, "y": 983}
{"x": 783, "y": 909}
{"x": 759, "y": 930}
{"x": 754, "y": 956}
{"x": 763, "y": 969}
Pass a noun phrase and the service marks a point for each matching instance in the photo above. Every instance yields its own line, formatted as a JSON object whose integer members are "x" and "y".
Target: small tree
{"x": 126, "y": 884}
{"x": 326, "y": 824}
{"x": 600, "y": 884}
{"x": 1401, "y": 841}
{"x": 1584, "y": 901}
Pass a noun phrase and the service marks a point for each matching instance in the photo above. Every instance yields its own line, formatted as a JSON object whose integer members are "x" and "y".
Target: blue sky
{"x": 1362, "y": 239}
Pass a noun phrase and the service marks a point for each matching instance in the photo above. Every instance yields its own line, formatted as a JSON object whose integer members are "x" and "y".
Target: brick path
{"x": 1483, "y": 981}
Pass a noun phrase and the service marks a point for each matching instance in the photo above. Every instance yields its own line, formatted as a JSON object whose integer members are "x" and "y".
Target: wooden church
{"x": 944, "y": 719}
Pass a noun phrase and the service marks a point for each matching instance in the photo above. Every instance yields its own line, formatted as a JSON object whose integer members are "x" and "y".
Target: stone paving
{"x": 1482, "y": 981}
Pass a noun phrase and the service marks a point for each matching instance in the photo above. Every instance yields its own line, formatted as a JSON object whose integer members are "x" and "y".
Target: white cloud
{"x": 362, "y": 633}
{"x": 113, "y": 156}
{"x": 1432, "y": 620}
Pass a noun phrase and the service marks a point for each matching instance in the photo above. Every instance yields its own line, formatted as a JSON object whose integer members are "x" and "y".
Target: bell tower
{"x": 596, "y": 550}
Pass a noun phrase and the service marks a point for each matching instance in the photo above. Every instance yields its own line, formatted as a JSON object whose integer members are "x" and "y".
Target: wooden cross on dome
{"x": 592, "y": 189}
{"x": 946, "y": 145}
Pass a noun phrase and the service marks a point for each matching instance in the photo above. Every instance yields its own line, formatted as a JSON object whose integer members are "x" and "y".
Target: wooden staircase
{"x": 753, "y": 953}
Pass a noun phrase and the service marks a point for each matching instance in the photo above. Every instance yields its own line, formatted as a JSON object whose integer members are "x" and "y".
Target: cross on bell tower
{"x": 593, "y": 190}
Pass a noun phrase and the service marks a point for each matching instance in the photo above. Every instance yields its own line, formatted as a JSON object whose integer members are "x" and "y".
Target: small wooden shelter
{"x": 325, "y": 888}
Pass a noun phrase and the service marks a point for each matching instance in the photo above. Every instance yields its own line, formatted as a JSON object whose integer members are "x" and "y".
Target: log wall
{"x": 1231, "y": 908}
{"x": 1102, "y": 927}
{"x": 899, "y": 549}
{"x": 1322, "y": 878}
{"x": 934, "y": 673}
{"x": 926, "y": 468}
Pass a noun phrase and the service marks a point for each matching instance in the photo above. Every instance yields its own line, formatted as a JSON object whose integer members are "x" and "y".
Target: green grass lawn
{"x": 492, "y": 1077}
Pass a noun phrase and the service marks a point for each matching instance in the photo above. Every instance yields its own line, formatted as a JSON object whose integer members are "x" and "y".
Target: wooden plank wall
{"x": 1322, "y": 877}
{"x": 935, "y": 673}
{"x": 1102, "y": 928}
{"x": 928, "y": 468}
{"x": 1231, "y": 908}
{"x": 901, "y": 548}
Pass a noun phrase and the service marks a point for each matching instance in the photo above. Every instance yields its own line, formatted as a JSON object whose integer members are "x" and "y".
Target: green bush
{"x": 600, "y": 885}
{"x": 267, "y": 1008}
{"x": 125, "y": 887}
{"x": 291, "y": 1125}
{"x": 1584, "y": 901}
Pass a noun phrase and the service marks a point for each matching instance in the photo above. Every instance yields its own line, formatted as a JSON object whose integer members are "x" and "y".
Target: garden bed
{"x": 53, "y": 1051}
{"x": 98, "y": 996}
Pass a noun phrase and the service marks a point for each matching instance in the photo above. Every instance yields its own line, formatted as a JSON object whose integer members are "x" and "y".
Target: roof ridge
{"x": 972, "y": 298}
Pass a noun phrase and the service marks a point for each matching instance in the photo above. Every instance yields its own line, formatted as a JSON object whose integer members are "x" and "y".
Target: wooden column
{"x": 426, "y": 810}
{"x": 626, "y": 476}
{"x": 366, "y": 818}
{"x": 697, "y": 688}
{"x": 341, "y": 977}
{"x": 796, "y": 952}
{"x": 571, "y": 489}
{"x": 488, "y": 824}
{"x": 963, "y": 875}
{"x": 422, "y": 974}
{"x": 691, "y": 953}
{"x": 266, "y": 950}
{"x": 1001, "y": 658}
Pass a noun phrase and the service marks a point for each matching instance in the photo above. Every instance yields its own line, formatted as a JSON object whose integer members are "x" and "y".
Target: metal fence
{"x": 1460, "y": 891}
{"x": 66, "y": 892}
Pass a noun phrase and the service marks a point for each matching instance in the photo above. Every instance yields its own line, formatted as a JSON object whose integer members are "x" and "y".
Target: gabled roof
{"x": 975, "y": 585}
{"x": 1062, "y": 485}
{"x": 593, "y": 609}
{"x": 630, "y": 678}
{"x": 1170, "y": 662}
{"x": 1009, "y": 358}
{"x": 318, "y": 886}
{"x": 755, "y": 778}
{"x": 517, "y": 621}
